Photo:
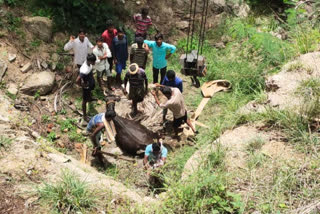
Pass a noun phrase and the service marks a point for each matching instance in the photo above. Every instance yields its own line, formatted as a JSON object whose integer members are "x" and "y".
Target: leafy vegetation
{"x": 69, "y": 194}
{"x": 5, "y": 142}
{"x": 75, "y": 14}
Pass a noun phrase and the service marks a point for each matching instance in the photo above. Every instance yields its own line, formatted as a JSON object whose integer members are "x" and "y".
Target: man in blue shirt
{"x": 155, "y": 155}
{"x": 171, "y": 80}
{"x": 120, "y": 54}
{"x": 160, "y": 56}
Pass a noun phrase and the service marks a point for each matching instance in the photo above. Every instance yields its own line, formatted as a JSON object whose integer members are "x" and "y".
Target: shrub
{"x": 69, "y": 194}
{"x": 75, "y": 14}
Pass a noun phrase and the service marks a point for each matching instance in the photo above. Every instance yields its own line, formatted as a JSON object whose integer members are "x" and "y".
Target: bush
{"x": 69, "y": 194}
{"x": 75, "y": 14}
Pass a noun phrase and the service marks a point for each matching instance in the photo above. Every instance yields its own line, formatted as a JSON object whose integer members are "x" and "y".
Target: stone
{"x": 13, "y": 89}
{"x": 26, "y": 67}
{"x": 55, "y": 57}
{"x": 42, "y": 82}
{"x": 182, "y": 25}
{"x": 44, "y": 64}
{"x": 3, "y": 69}
{"x": 53, "y": 66}
{"x": 12, "y": 57}
{"x": 41, "y": 27}
{"x": 60, "y": 37}
{"x": 138, "y": 2}
{"x": 241, "y": 10}
{"x": 219, "y": 45}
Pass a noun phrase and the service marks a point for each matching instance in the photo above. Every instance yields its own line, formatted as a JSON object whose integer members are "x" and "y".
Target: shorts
{"x": 177, "y": 122}
{"x": 136, "y": 94}
{"x": 100, "y": 73}
{"x": 86, "y": 94}
{"x": 119, "y": 67}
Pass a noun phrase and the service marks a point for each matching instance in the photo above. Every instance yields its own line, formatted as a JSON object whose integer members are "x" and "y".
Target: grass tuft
{"x": 69, "y": 194}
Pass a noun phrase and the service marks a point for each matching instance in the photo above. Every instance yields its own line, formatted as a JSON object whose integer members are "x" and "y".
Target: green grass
{"x": 5, "y": 142}
{"x": 205, "y": 191}
{"x": 68, "y": 194}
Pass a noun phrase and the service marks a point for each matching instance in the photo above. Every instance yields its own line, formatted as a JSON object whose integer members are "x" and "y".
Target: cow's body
{"x": 131, "y": 135}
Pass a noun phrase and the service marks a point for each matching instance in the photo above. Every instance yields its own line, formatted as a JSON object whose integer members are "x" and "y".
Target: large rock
{"x": 39, "y": 26}
{"x": 42, "y": 82}
{"x": 182, "y": 25}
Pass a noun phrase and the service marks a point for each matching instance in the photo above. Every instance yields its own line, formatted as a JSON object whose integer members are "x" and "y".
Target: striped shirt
{"x": 142, "y": 25}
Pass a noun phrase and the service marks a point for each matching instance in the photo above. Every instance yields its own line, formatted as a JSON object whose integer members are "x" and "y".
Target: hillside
{"x": 257, "y": 150}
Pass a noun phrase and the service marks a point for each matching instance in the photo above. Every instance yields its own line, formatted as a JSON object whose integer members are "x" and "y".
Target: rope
{"x": 205, "y": 22}
{"x": 201, "y": 29}
{"x": 189, "y": 25}
{"x": 193, "y": 21}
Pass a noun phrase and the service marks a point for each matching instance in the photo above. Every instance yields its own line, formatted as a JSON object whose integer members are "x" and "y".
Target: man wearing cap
{"x": 138, "y": 53}
{"x": 138, "y": 85}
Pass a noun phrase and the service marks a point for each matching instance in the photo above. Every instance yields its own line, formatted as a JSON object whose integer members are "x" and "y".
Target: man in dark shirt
{"x": 137, "y": 79}
{"x": 86, "y": 81}
{"x": 138, "y": 53}
{"x": 120, "y": 54}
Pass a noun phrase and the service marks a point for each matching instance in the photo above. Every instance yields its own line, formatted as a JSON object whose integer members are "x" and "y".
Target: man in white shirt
{"x": 175, "y": 104}
{"x": 86, "y": 81}
{"x": 102, "y": 52}
{"x": 80, "y": 46}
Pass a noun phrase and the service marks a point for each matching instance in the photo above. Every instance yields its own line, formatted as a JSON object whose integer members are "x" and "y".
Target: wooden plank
{"x": 109, "y": 132}
{"x": 201, "y": 124}
{"x": 200, "y": 108}
{"x": 208, "y": 89}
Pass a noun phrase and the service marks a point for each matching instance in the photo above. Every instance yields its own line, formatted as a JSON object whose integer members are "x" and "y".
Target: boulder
{"x": 26, "y": 67}
{"x": 13, "y": 89}
{"x": 42, "y": 82}
{"x": 3, "y": 69}
{"x": 12, "y": 57}
{"x": 39, "y": 26}
{"x": 182, "y": 25}
{"x": 240, "y": 9}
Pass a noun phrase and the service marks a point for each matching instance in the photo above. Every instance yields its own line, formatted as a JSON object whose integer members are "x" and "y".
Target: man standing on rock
{"x": 160, "y": 56}
{"x": 142, "y": 22}
{"x": 138, "y": 86}
{"x": 80, "y": 46}
{"x": 175, "y": 104}
{"x": 86, "y": 81}
{"x": 102, "y": 52}
{"x": 120, "y": 54}
{"x": 171, "y": 80}
{"x": 108, "y": 36}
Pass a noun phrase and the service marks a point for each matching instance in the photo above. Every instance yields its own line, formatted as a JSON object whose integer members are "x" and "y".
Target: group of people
{"x": 111, "y": 49}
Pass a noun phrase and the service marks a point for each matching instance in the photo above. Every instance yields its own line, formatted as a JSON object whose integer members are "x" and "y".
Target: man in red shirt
{"x": 143, "y": 22}
{"x": 108, "y": 36}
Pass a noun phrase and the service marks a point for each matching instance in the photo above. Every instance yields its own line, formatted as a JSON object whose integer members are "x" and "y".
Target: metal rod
{"x": 205, "y": 22}
{"x": 193, "y": 21}
{"x": 189, "y": 25}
